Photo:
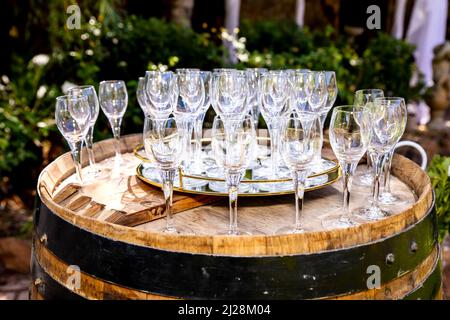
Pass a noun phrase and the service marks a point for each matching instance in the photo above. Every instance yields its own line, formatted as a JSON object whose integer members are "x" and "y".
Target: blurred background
{"x": 396, "y": 45}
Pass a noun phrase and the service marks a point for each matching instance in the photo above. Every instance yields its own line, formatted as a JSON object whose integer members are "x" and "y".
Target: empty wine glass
{"x": 366, "y": 98}
{"x": 332, "y": 91}
{"x": 113, "y": 98}
{"x": 388, "y": 123}
{"x": 233, "y": 142}
{"x": 387, "y": 197}
{"x": 198, "y": 126}
{"x": 229, "y": 91}
{"x": 316, "y": 90}
{"x": 73, "y": 116}
{"x": 298, "y": 99}
{"x": 163, "y": 142}
{"x": 274, "y": 92}
{"x": 349, "y": 136}
{"x": 161, "y": 89}
{"x": 91, "y": 95}
{"x": 142, "y": 97}
{"x": 298, "y": 152}
{"x": 191, "y": 95}
{"x": 253, "y": 75}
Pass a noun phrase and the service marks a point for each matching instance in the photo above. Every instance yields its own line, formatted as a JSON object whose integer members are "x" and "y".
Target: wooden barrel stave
{"x": 122, "y": 262}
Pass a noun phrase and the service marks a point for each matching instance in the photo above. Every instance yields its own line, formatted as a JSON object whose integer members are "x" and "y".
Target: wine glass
{"x": 274, "y": 92}
{"x": 142, "y": 97}
{"x": 366, "y": 98}
{"x": 161, "y": 89}
{"x": 198, "y": 125}
{"x": 73, "y": 116}
{"x": 91, "y": 95}
{"x": 163, "y": 142}
{"x": 232, "y": 144}
{"x": 191, "y": 96}
{"x": 386, "y": 196}
{"x": 253, "y": 75}
{"x": 349, "y": 137}
{"x": 298, "y": 98}
{"x": 388, "y": 123}
{"x": 113, "y": 98}
{"x": 331, "y": 95}
{"x": 229, "y": 90}
{"x": 316, "y": 90}
{"x": 298, "y": 152}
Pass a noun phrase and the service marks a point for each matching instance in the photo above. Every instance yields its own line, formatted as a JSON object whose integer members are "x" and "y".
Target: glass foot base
{"x": 338, "y": 221}
{"x": 388, "y": 198}
{"x": 178, "y": 230}
{"x": 371, "y": 214}
{"x": 235, "y": 233}
{"x": 291, "y": 230}
{"x": 363, "y": 179}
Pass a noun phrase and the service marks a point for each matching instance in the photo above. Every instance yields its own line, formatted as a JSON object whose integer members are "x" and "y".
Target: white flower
{"x": 84, "y": 36}
{"x": 89, "y": 52}
{"x": 5, "y": 79}
{"x": 40, "y": 60}
{"x": 92, "y": 21}
{"x": 96, "y": 32}
{"x": 66, "y": 86}
{"x": 41, "y": 124}
{"x": 41, "y": 92}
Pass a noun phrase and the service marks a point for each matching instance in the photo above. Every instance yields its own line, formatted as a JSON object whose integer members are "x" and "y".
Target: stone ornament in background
{"x": 438, "y": 96}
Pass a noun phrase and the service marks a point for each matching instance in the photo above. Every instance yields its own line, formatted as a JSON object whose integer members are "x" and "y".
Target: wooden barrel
{"x": 103, "y": 242}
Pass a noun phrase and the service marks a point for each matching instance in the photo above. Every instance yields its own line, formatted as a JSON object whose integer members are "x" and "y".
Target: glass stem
{"x": 187, "y": 126}
{"x": 348, "y": 169}
{"x": 377, "y": 161}
{"x": 115, "y": 125}
{"x": 322, "y": 118}
{"x": 387, "y": 172}
{"x": 76, "y": 156}
{"x": 167, "y": 177}
{"x": 274, "y": 146}
{"x": 299, "y": 181}
{"x": 368, "y": 162}
{"x": 198, "y": 127}
{"x": 233, "y": 180}
{"x": 89, "y": 145}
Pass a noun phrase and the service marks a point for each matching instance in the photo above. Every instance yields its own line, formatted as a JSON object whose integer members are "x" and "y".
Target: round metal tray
{"x": 250, "y": 187}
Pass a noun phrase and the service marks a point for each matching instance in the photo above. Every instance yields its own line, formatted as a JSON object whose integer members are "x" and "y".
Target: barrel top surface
{"x": 126, "y": 209}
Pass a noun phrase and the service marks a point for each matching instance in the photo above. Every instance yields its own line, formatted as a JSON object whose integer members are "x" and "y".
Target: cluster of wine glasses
{"x": 76, "y": 114}
{"x": 374, "y": 124}
{"x": 293, "y": 103}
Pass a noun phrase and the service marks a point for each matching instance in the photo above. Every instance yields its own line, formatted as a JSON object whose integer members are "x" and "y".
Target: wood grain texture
{"x": 142, "y": 205}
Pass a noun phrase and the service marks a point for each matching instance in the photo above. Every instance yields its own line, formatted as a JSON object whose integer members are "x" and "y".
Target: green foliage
{"x": 386, "y": 63}
{"x": 439, "y": 172}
